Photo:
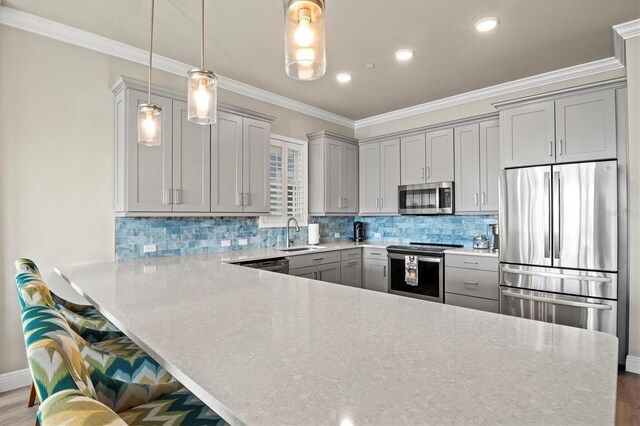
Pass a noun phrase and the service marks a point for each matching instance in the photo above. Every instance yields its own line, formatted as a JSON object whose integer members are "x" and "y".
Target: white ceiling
{"x": 245, "y": 42}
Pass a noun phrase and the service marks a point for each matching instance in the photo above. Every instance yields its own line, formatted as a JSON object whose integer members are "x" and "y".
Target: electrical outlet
{"x": 243, "y": 241}
{"x": 226, "y": 243}
{"x": 149, "y": 269}
{"x": 336, "y": 235}
{"x": 149, "y": 248}
{"x": 377, "y": 235}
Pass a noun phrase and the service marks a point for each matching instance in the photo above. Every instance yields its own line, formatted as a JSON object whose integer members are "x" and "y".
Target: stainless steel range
{"x": 417, "y": 270}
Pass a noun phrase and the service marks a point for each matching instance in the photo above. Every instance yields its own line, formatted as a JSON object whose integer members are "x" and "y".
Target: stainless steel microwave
{"x": 426, "y": 198}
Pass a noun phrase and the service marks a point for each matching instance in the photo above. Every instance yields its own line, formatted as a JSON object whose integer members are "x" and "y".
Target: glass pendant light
{"x": 202, "y": 89}
{"x": 305, "y": 57}
{"x": 150, "y": 115}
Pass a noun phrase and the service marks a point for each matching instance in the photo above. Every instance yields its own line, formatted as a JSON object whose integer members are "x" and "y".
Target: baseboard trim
{"x": 14, "y": 380}
{"x": 633, "y": 364}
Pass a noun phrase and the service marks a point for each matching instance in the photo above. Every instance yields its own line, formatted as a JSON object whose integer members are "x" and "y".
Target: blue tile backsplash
{"x": 194, "y": 235}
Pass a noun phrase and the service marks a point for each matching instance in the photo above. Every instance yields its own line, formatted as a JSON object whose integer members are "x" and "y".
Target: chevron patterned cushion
{"x": 71, "y": 407}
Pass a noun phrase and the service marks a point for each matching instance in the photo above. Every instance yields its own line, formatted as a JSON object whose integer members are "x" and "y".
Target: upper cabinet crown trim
{"x": 336, "y": 136}
{"x": 607, "y": 84}
{"x": 124, "y": 82}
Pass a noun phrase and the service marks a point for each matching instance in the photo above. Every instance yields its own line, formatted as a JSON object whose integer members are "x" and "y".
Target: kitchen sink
{"x": 303, "y": 248}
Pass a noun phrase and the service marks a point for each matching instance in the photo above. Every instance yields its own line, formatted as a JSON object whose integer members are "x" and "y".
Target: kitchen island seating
{"x": 86, "y": 319}
{"x": 126, "y": 375}
{"x": 66, "y": 383}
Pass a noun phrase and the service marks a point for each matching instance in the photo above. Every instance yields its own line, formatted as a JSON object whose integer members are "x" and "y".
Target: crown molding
{"x": 551, "y": 77}
{"x": 47, "y": 28}
{"x": 67, "y": 34}
{"x": 628, "y": 29}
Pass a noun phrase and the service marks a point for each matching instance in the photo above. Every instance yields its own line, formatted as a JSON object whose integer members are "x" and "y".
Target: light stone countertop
{"x": 266, "y": 348}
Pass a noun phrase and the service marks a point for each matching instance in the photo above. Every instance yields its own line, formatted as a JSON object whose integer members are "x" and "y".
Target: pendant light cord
{"x": 202, "y": 38}
{"x": 153, "y": 4}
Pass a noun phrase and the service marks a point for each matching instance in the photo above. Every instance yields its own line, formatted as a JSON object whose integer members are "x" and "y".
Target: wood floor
{"x": 14, "y": 410}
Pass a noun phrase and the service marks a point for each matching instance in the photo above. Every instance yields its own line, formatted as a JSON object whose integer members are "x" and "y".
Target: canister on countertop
{"x": 481, "y": 242}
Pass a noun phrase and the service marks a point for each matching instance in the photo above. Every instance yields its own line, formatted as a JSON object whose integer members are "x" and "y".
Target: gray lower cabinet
{"x": 375, "y": 275}
{"x": 477, "y": 162}
{"x": 379, "y": 177}
{"x": 471, "y": 281}
{"x": 333, "y": 174}
{"x": 427, "y": 157}
{"x": 351, "y": 273}
{"x": 568, "y": 128}
{"x": 329, "y": 272}
{"x": 310, "y": 272}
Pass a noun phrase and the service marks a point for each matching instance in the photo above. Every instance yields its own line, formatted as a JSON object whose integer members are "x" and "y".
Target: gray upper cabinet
{"x": 240, "y": 164}
{"x": 413, "y": 164}
{"x": 427, "y": 157}
{"x": 191, "y": 164}
{"x": 256, "y": 137}
{"x": 467, "y": 189}
{"x": 148, "y": 168}
{"x": 333, "y": 174}
{"x": 528, "y": 135}
{"x": 226, "y": 164}
{"x": 569, "y": 128}
{"x": 379, "y": 177}
{"x": 489, "y": 164}
{"x": 197, "y": 170}
{"x": 586, "y": 127}
{"x": 477, "y": 163}
{"x": 439, "y": 156}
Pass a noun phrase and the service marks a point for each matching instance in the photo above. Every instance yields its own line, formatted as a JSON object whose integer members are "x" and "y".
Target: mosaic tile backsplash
{"x": 194, "y": 235}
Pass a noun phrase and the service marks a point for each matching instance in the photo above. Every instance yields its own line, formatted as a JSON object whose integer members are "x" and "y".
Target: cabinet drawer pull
{"x": 382, "y": 202}
{"x": 469, "y": 262}
{"x": 246, "y": 200}
{"x": 560, "y": 147}
{"x": 470, "y": 283}
{"x": 167, "y": 196}
{"x": 428, "y": 172}
{"x": 317, "y": 259}
{"x": 475, "y": 198}
{"x": 355, "y": 262}
{"x": 384, "y": 271}
{"x": 550, "y": 148}
{"x": 484, "y": 199}
{"x": 376, "y": 254}
{"x": 377, "y": 203}
{"x": 421, "y": 172}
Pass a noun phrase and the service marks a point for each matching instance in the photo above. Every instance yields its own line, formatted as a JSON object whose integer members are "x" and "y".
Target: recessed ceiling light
{"x": 404, "y": 54}
{"x": 486, "y": 24}
{"x": 370, "y": 66}
{"x": 344, "y": 77}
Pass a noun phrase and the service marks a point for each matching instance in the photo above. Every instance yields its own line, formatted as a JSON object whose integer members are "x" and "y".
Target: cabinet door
{"x": 440, "y": 156}
{"x": 310, "y": 272}
{"x": 389, "y": 175}
{"x": 351, "y": 273}
{"x": 375, "y": 275}
{"x": 149, "y": 167}
{"x": 489, "y": 164}
{"x": 191, "y": 163}
{"x": 586, "y": 127}
{"x": 329, "y": 272}
{"x": 349, "y": 178}
{"x": 413, "y": 159}
{"x": 333, "y": 194}
{"x": 370, "y": 178}
{"x": 255, "y": 165}
{"x": 528, "y": 136}
{"x": 467, "y": 183}
{"x": 226, "y": 163}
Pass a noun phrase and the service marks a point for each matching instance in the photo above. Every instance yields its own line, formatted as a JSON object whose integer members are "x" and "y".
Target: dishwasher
{"x": 276, "y": 264}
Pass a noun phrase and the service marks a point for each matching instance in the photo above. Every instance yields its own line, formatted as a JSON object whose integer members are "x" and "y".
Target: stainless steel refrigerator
{"x": 559, "y": 244}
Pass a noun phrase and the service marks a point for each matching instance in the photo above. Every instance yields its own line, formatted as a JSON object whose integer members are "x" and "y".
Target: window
{"x": 288, "y": 182}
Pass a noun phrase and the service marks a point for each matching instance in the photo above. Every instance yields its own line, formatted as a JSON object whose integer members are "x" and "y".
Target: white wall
{"x": 633, "y": 90}
{"x": 56, "y": 160}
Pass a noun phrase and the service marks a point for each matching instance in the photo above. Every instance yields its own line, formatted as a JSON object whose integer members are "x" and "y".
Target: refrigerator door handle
{"x": 557, "y": 301}
{"x": 557, "y": 215}
{"x": 557, "y": 275}
{"x": 547, "y": 228}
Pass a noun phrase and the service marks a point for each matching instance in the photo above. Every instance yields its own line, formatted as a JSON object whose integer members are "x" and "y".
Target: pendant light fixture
{"x": 202, "y": 88}
{"x": 150, "y": 115}
{"x": 305, "y": 57}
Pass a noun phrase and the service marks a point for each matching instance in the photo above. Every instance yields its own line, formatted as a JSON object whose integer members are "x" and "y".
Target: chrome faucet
{"x": 289, "y": 241}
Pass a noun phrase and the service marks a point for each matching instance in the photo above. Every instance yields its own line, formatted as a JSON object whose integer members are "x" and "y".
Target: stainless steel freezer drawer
{"x": 582, "y": 312}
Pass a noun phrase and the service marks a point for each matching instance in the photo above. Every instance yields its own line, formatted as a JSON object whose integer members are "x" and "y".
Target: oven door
{"x": 430, "y": 277}
{"x": 582, "y": 312}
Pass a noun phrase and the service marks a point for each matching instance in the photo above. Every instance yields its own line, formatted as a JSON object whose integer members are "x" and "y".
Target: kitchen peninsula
{"x": 266, "y": 348}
